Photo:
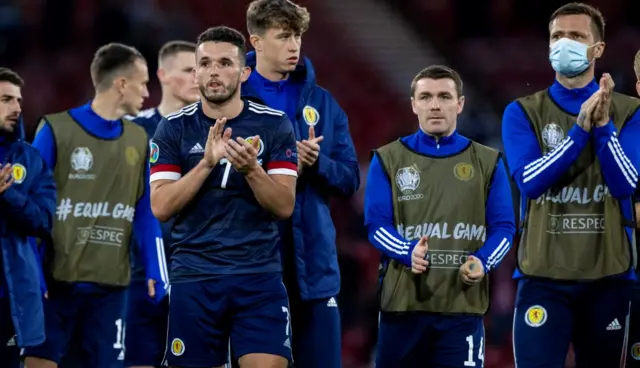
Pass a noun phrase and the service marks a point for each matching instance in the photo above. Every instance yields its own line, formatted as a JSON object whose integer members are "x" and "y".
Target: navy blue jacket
{"x": 336, "y": 173}
{"x": 26, "y": 210}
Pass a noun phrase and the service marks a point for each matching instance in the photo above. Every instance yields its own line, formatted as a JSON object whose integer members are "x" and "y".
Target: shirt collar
{"x": 433, "y": 141}
{"x": 245, "y": 109}
{"x": 262, "y": 83}
{"x": 92, "y": 114}
{"x": 561, "y": 92}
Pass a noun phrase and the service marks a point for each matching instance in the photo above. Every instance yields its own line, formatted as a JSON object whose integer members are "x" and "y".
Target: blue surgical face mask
{"x": 569, "y": 57}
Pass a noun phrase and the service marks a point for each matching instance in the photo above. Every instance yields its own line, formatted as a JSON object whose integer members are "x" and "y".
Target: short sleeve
{"x": 164, "y": 152}
{"x": 283, "y": 154}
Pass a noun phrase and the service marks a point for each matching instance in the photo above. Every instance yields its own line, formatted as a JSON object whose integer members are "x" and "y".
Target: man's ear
{"x": 120, "y": 84}
{"x": 246, "y": 72}
{"x": 256, "y": 42}
{"x": 161, "y": 74}
{"x": 460, "y": 104}
{"x": 599, "y": 50}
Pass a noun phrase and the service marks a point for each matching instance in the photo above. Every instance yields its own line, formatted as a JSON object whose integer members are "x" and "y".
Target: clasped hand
{"x": 595, "y": 111}
{"x": 240, "y": 153}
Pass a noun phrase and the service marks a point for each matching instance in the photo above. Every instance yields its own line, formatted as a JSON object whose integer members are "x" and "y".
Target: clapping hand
{"x": 600, "y": 116}
{"x": 308, "y": 150}
{"x": 214, "y": 149}
{"x": 586, "y": 111}
{"x": 472, "y": 271}
{"x": 418, "y": 262}
{"x": 242, "y": 154}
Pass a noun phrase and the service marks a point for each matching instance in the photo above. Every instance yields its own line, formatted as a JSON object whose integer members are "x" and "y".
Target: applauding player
{"x": 438, "y": 206}
{"x": 327, "y": 168}
{"x": 226, "y": 191}
{"x": 572, "y": 151}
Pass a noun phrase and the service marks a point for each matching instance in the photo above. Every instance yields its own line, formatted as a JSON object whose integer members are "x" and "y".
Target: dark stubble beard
{"x": 7, "y": 129}
{"x": 220, "y": 99}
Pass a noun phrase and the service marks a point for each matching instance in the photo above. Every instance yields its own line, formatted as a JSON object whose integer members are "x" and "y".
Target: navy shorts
{"x": 313, "y": 321}
{"x": 250, "y": 311}
{"x": 146, "y": 327}
{"x": 416, "y": 340}
{"x": 550, "y": 315}
{"x": 92, "y": 317}
{"x": 9, "y": 350}
{"x": 633, "y": 352}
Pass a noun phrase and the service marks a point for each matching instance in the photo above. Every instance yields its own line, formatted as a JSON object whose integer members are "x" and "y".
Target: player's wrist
{"x": 584, "y": 127}
{"x": 406, "y": 259}
{"x": 313, "y": 167}
{"x": 204, "y": 164}
{"x": 253, "y": 171}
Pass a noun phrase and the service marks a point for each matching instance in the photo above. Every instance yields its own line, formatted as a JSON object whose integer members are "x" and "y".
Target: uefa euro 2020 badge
{"x": 154, "y": 152}
{"x": 552, "y": 135}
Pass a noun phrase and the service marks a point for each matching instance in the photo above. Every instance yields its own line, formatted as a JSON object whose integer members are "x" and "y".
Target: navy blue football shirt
{"x": 224, "y": 230}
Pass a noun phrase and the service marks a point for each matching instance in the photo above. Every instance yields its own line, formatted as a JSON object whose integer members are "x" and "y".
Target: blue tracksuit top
{"x": 378, "y": 207}
{"x": 613, "y": 150}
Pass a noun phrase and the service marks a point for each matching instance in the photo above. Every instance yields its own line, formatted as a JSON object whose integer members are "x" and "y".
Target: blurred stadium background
{"x": 366, "y": 52}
